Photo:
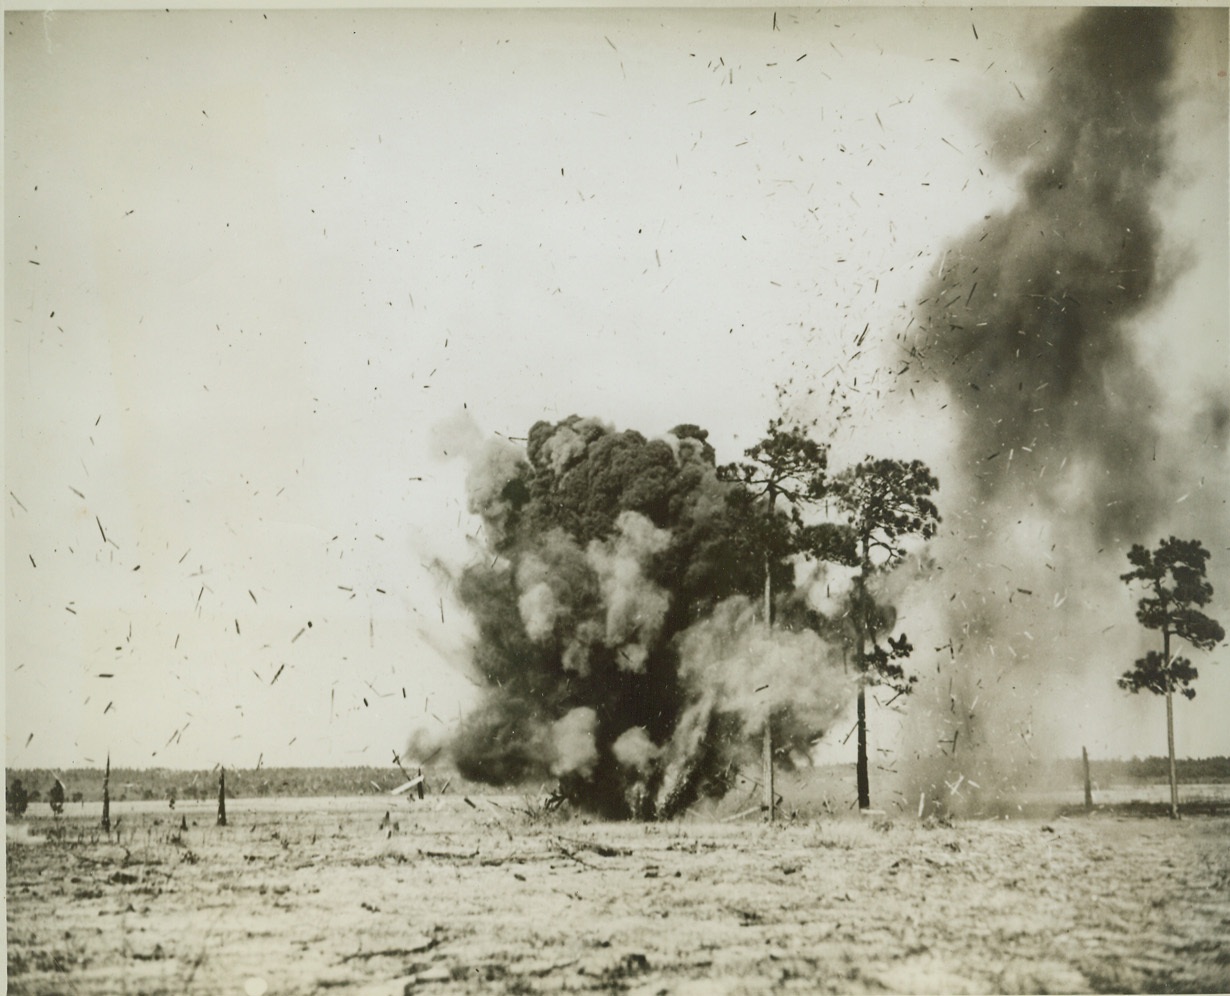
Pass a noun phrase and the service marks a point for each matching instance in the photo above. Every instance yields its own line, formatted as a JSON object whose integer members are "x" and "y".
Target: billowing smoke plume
{"x": 1027, "y": 318}
{"x": 620, "y": 646}
{"x": 1029, "y": 324}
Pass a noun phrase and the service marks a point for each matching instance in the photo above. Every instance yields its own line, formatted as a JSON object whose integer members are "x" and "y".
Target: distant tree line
{"x": 1143, "y": 770}
{"x": 84, "y": 785}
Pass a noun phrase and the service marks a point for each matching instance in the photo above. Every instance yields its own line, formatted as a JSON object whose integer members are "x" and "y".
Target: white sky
{"x": 251, "y": 260}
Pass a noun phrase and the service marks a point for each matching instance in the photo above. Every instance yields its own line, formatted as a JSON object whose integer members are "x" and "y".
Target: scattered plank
{"x": 451, "y": 855}
{"x": 412, "y": 783}
{"x": 604, "y": 850}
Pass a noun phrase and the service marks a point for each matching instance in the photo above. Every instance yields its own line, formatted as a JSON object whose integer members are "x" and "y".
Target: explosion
{"x": 620, "y": 646}
{"x": 1030, "y": 325}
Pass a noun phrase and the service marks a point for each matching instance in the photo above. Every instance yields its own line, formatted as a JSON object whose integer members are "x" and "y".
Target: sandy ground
{"x": 315, "y": 896}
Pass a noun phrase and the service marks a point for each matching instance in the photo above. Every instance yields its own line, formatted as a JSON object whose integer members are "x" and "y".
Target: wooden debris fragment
{"x": 605, "y": 850}
{"x": 451, "y": 855}
{"x": 412, "y": 783}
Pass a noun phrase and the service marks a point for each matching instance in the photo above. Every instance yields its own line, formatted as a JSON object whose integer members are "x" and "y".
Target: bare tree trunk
{"x": 864, "y": 780}
{"x": 864, "y": 783}
{"x": 1174, "y": 781}
{"x": 770, "y": 791}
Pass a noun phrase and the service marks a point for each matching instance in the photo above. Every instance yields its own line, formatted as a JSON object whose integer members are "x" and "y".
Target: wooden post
{"x": 106, "y": 817}
{"x": 1088, "y": 783}
{"x": 222, "y": 798}
{"x": 770, "y": 790}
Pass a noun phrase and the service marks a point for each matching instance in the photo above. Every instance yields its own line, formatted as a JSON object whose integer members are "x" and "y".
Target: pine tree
{"x": 1173, "y": 576}
{"x": 883, "y": 502}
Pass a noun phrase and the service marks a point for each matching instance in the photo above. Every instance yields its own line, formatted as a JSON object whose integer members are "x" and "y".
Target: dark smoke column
{"x": 1029, "y": 323}
{"x": 1025, "y": 319}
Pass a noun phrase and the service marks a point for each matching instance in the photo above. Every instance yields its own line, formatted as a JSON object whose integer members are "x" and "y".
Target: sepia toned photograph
{"x": 712, "y": 500}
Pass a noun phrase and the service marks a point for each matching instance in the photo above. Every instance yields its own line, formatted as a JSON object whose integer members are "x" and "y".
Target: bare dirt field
{"x": 315, "y": 896}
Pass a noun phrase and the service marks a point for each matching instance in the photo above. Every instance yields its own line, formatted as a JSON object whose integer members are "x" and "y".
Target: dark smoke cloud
{"x": 1026, "y": 319}
{"x": 1029, "y": 324}
{"x": 619, "y": 644}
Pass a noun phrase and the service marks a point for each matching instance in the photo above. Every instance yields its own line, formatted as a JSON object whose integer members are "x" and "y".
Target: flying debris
{"x": 412, "y": 783}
